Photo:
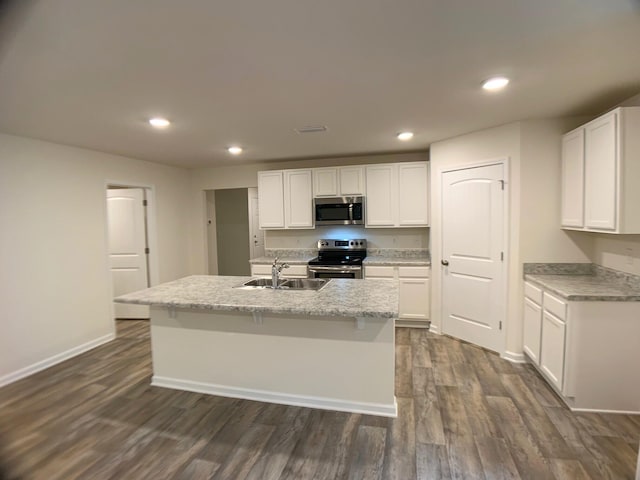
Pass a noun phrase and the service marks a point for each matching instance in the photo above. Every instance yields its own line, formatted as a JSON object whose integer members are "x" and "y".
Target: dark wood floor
{"x": 463, "y": 413}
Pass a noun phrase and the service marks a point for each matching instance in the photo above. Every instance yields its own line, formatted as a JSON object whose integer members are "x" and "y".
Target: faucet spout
{"x": 275, "y": 272}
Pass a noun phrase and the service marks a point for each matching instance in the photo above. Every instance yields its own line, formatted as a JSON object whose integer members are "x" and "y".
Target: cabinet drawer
{"x": 533, "y": 293}
{"x": 555, "y": 306}
{"x": 379, "y": 272}
{"x": 416, "y": 272}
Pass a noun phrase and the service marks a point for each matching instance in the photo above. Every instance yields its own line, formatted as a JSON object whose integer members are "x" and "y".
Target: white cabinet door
{"x": 414, "y": 298}
{"x": 381, "y": 205}
{"x": 413, "y": 199}
{"x": 351, "y": 181}
{"x": 573, "y": 179}
{"x": 532, "y": 330}
{"x": 600, "y": 173}
{"x": 271, "y": 199}
{"x": 325, "y": 182}
{"x": 298, "y": 198}
{"x": 552, "y": 348}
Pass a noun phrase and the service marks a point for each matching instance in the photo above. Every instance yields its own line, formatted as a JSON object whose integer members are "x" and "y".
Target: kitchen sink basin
{"x": 286, "y": 283}
{"x": 304, "y": 283}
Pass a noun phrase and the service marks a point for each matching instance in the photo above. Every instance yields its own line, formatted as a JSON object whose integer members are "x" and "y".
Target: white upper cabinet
{"x": 573, "y": 179}
{"x": 609, "y": 172}
{"x": 351, "y": 180}
{"x": 397, "y": 195}
{"x": 325, "y": 182}
{"x": 413, "y": 200}
{"x": 382, "y": 195}
{"x": 298, "y": 199}
{"x": 271, "y": 199}
{"x": 285, "y": 199}
{"x": 338, "y": 181}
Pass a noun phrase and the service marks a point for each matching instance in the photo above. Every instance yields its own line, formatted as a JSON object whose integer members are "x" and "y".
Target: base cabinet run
{"x": 414, "y": 301}
{"x": 584, "y": 350}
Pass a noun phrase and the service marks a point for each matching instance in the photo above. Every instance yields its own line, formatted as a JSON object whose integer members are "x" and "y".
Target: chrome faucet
{"x": 275, "y": 272}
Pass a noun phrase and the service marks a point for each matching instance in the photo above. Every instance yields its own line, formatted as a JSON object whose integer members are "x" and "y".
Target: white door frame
{"x": 152, "y": 236}
{"x": 504, "y": 161}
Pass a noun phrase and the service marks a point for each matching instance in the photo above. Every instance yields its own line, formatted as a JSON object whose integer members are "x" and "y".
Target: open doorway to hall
{"x": 233, "y": 233}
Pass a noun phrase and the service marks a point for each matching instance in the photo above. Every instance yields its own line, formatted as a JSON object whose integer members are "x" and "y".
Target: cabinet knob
{"x": 445, "y": 262}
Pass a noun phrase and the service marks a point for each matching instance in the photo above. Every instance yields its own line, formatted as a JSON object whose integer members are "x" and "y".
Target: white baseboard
{"x": 385, "y": 410}
{"x": 514, "y": 357}
{"x": 434, "y": 329}
{"x": 54, "y": 360}
{"x": 597, "y": 410}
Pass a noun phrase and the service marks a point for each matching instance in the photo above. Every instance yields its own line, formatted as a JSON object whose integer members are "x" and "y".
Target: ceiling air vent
{"x": 311, "y": 129}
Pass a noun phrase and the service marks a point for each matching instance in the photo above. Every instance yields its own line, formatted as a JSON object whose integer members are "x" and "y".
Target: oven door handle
{"x": 334, "y": 269}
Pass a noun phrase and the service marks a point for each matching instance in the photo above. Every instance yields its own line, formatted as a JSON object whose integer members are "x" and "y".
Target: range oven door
{"x": 338, "y": 271}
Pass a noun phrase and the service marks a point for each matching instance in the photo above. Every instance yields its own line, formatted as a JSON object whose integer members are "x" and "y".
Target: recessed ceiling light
{"x": 405, "y": 136}
{"x": 159, "y": 122}
{"x": 495, "y": 83}
{"x": 235, "y": 150}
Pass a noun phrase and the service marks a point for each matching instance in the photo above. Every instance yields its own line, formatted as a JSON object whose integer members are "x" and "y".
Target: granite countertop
{"x": 383, "y": 260}
{"x": 340, "y": 297}
{"x": 583, "y": 282}
{"x": 291, "y": 260}
{"x": 586, "y": 288}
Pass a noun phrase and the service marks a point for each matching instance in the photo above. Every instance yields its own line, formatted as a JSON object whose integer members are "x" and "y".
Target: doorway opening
{"x": 233, "y": 233}
{"x": 129, "y": 217}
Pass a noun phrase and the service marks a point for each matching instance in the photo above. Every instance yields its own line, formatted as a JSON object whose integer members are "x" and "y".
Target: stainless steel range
{"x": 338, "y": 258}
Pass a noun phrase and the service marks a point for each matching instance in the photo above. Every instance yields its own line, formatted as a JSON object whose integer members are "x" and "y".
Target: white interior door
{"x": 473, "y": 283}
{"x": 256, "y": 236}
{"x": 127, "y": 245}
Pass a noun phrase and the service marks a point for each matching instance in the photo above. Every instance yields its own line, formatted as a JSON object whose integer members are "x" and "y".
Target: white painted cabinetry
{"x": 271, "y": 199}
{"x": 414, "y": 302}
{"x": 338, "y": 181}
{"x": 584, "y": 348}
{"x": 397, "y": 195}
{"x": 285, "y": 199}
{"x": 601, "y": 174}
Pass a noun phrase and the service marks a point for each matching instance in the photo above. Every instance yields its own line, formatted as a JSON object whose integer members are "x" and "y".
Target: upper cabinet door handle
{"x": 445, "y": 262}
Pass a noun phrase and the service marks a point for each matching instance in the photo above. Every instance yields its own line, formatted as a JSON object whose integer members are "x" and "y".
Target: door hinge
{"x": 146, "y": 250}
{"x": 144, "y": 203}
{"x": 500, "y": 325}
{"x": 502, "y": 256}
{"x": 501, "y": 184}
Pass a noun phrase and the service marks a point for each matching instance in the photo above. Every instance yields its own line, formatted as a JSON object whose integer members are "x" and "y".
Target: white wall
{"x": 533, "y": 150}
{"x": 620, "y": 252}
{"x": 244, "y": 176}
{"x": 376, "y": 237}
{"x": 56, "y": 289}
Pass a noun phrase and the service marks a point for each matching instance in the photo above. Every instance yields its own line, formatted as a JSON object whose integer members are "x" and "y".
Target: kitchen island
{"x": 332, "y": 348}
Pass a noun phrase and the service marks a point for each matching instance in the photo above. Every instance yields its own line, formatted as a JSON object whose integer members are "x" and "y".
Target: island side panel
{"x": 321, "y": 362}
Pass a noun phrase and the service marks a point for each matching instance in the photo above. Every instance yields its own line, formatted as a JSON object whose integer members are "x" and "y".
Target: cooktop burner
{"x": 340, "y": 252}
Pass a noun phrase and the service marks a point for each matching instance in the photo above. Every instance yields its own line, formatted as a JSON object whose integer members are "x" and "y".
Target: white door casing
{"x": 473, "y": 244}
{"x": 127, "y": 244}
{"x": 256, "y": 236}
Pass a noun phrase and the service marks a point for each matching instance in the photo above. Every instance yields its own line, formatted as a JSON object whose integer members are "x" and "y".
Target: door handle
{"x": 445, "y": 262}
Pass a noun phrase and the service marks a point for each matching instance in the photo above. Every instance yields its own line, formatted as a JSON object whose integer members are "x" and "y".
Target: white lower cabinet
{"x": 264, "y": 270}
{"x": 552, "y": 348}
{"x": 584, "y": 349}
{"x": 414, "y": 296}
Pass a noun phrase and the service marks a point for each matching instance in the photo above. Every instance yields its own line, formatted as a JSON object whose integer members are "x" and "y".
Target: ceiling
{"x": 90, "y": 73}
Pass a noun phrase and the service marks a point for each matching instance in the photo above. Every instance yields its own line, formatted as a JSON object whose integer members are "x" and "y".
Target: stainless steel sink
{"x": 304, "y": 283}
{"x": 286, "y": 283}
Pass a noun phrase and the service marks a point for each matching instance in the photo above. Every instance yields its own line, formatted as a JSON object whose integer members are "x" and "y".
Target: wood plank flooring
{"x": 464, "y": 413}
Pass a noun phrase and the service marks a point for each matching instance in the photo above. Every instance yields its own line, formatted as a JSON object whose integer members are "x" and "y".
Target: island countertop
{"x": 339, "y": 298}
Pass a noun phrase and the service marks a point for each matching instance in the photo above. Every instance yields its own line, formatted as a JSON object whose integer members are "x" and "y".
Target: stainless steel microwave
{"x": 339, "y": 211}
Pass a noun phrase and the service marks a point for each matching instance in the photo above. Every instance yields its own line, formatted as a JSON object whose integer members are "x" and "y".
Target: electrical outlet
{"x": 629, "y": 256}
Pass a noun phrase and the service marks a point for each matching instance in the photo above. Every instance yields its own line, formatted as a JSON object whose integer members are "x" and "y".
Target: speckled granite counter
{"x": 585, "y": 282}
{"x": 340, "y": 297}
{"x": 417, "y": 257}
{"x": 291, "y": 256}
